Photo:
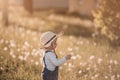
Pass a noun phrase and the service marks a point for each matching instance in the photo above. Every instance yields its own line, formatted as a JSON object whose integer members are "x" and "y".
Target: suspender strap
{"x": 44, "y": 57}
{"x": 44, "y": 61}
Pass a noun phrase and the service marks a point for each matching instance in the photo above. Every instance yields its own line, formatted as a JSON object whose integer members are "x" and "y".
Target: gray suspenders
{"x": 44, "y": 58}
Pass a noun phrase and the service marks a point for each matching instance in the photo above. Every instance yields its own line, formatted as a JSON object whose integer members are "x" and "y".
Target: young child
{"x": 51, "y": 63}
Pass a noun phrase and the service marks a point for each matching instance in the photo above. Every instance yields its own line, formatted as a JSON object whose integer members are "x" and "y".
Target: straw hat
{"x": 47, "y": 38}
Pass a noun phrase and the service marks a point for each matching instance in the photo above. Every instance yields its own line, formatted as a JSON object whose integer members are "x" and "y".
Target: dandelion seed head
{"x": 74, "y": 57}
{"x": 69, "y": 49}
{"x": 83, "y": 64}
{"x": 13, "y": 56}
{"x": 26, "y": 44}
{"x": 100, "y": 60}
{"x": 95, "y": 44}
{"x": 36, "y": 63}
{"x": 118, "y": 75}
{"x": 21, "y": 58}
{"x": 106, "y": 77}
{"x": 80, "y": 71}
{"x": 111, "y": 61}
{"x": 32, "y": 61}
{"x": 92, "y": 78}
{"x": 1, "y": 68}
{"x": 2, "y": 41}
{"x": 88, "y": 68}
{"x": 106, "y": 55}
{"x": 69, "y": 64}
{"x": 18, "y": 49}
{"x": 22, "y": 35}
{"x": 78, "y": 56}
{"x": 71, "y": 37}
{"x": 96, "y": 75}
{"x": 5, "y": 48}
{"x": 11, "y": 52}
{"x": 26, "y": 54}
{"x": 115, "y": 62}
{"x": 28, "y": 31}
{"x": 61, "y": 52}
{"x": 91, "y": 57}
{"x": 69, "y": 69}
{"x": 12, "y": 43}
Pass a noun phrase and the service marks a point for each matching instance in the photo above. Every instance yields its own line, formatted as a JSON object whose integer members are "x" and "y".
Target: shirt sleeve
{"x": 54, "y": 60}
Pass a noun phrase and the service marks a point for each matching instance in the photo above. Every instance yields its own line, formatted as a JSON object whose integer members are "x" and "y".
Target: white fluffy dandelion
{"x": 91, "y": 57}
{"x": 36, "y": 63}
{"x": 80, "y": 71}
{"x": 88, "y": 68}
{"x": 83, "y": 64}
{"x": 31, "y": 60}
{"x": 96, "y": 75}
{"x": 106, "y": 77}
{"x": 5, "y": 48}
{"x": 26, "y": 44}
{"x": 21, "y": 57}
{"x": 78, "y": 56}
{"x": 111, "y": 61}
{"x": 2, "y": 41}
{"x": 69, "y": 69}
{"x": 95, "y": 44}
{"x": 118, "y": 75}
{"x": 74, "y": 57}
{"x": 115, "y": 62}
{"x": 69, "y": 49}
{"x": 99, "y": 60}
{"x": 12, "y": 43}
{"x": 70, "y": 64}
{"x": 13, "y": 56}
{"x": 92, "y": 77}
{"x": 28, "y": 31}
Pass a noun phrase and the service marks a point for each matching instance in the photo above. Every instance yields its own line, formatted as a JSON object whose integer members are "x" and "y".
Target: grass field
{"x": 93, "y": 58}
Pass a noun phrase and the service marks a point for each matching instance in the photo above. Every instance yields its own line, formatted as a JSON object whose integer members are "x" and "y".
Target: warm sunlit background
{"x": 91, "y": 35}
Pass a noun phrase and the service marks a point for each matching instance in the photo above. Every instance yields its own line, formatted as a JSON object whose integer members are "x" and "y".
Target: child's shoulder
{"x": 48, "y": 51}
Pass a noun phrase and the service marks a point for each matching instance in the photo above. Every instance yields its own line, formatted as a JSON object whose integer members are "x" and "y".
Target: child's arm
{"x": 56, "y": 61}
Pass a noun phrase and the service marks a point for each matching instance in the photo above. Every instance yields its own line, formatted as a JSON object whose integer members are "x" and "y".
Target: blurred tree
{"x": 5, "y": 12}
{"x": 107, "y": 19}
{"x": 28, "y": 5}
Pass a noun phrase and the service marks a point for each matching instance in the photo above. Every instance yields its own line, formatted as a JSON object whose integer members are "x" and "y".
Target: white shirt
{"x": 51, "y": 61}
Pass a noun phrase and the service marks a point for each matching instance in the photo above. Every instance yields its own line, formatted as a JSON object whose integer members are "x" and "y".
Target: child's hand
{"x": 68, "y": 57}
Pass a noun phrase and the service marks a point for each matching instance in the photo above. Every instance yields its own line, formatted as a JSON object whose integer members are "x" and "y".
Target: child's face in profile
{"x": 54, "y": 43}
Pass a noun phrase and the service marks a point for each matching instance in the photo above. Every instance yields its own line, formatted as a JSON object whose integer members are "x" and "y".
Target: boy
{"x": 51, "y": 63}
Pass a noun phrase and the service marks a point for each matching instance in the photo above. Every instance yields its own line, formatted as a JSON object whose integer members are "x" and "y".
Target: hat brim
{"x": 57, "y": 36}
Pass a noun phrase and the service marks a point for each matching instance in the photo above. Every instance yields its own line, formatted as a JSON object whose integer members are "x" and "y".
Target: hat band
{"x": 50, "y": 39}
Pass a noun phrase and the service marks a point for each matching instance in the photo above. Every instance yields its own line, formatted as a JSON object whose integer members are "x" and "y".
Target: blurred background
{"x": 91, "y": 35}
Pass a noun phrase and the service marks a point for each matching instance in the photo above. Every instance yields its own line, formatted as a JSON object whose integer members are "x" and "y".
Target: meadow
{"x": 93, "y": 58}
